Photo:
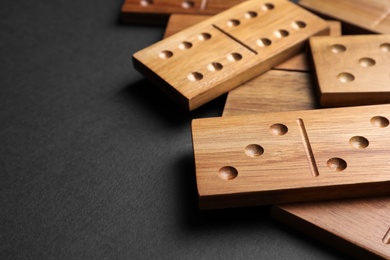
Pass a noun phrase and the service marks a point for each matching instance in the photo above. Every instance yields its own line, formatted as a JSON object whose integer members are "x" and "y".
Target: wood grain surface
{"x": 228, "y": 49}
{"x": 274, "y": 91}
{"x": 358, "y": 227}
{"x": 352, "y": 70}
{"x": 371, "y": 16}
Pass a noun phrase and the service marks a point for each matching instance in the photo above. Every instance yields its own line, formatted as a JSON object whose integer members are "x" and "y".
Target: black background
{"x": 95, "y": 162}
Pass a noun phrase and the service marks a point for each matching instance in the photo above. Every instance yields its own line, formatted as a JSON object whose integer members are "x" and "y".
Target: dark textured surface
{"x": 95, "y": 163}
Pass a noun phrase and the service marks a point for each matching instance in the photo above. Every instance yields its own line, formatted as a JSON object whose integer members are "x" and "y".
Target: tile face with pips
{"x": 292, "y": 156}
{"x": 299, "y": 62}
{"x": 227, "y": 49}
{"x": 352, "y": 70}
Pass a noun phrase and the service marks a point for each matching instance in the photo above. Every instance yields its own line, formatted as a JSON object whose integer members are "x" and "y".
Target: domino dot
{"x": 278, "y": 129}
{"x": 185, "y": 45}
{"x": 250, "y": 15}
{"x": 214, "y": 66}
{"x": 367, "y": 62}
{"x": 298, "y": 25}
{"x": 254, "y": 150}
{"x": 204, "y": 36}
{"x": 337, "y": 164}
{"x": 234, "y": 56}
{"x": 263, "y": 42}
{"x": 337, "y": 48}
{"x": 233, "y": 23}
{"x": 359, "y": 142}
{"x": 165, "y": 54}
{"x": 227, "y": 173}
{"x": 379, "y": 121}
{"x": 195, "y": 76}
{"x": 146, "y": 2}
{"x": 267, "y": 7}
{"x": 385, "y": 47}
{"x": 281, "y": 33}
{"x": 346, "y": 77}
{"x": 188, "y": 4}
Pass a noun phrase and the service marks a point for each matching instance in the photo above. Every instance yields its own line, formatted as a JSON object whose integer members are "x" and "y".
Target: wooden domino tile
{"x": 366, "y": 16}
{"x": 360, "y": 228}
{"x": 179, "y": 22}
{"x": 210, "y": 58}
{"x": 158, "y": 11}
{"x": 274, "y": 91}
{"x": 292, "y": 156}
{"x": 352, "y": 70}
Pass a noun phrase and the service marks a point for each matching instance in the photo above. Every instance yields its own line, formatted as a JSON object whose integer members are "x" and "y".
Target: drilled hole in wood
{"x": 359, "y": 142}
{"x": 281, "y": 33}
{"x": 367, "y": 62}
{"x": 195, "y": 76}
{"x": 227, "y": 173}
{"x": 146, "y": 2}
{"x": 234, "y": 56}
{"x": 185, "y": 45}
{"x": 337, "y": 48}
{"x": 263, "y": 42}
{"x": 278, "y": 129}
{"x": 379, "y": 121}
{"x": 250, "y": 15}
{"x": 267, "y": 7}
{"x": 385, "y": 47}
{"x": 254, "y": 150}
{"x": 337, "y": 164}
{"x": 346, "y": 77}
{"x": 204, "y": 36}
{"x": 188, "y": 4}
{"x": 165, "y": 54}
{"x": 214, "y": 66}
{"x": 233, "y": 23}
{"x": 298, "y": 25}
